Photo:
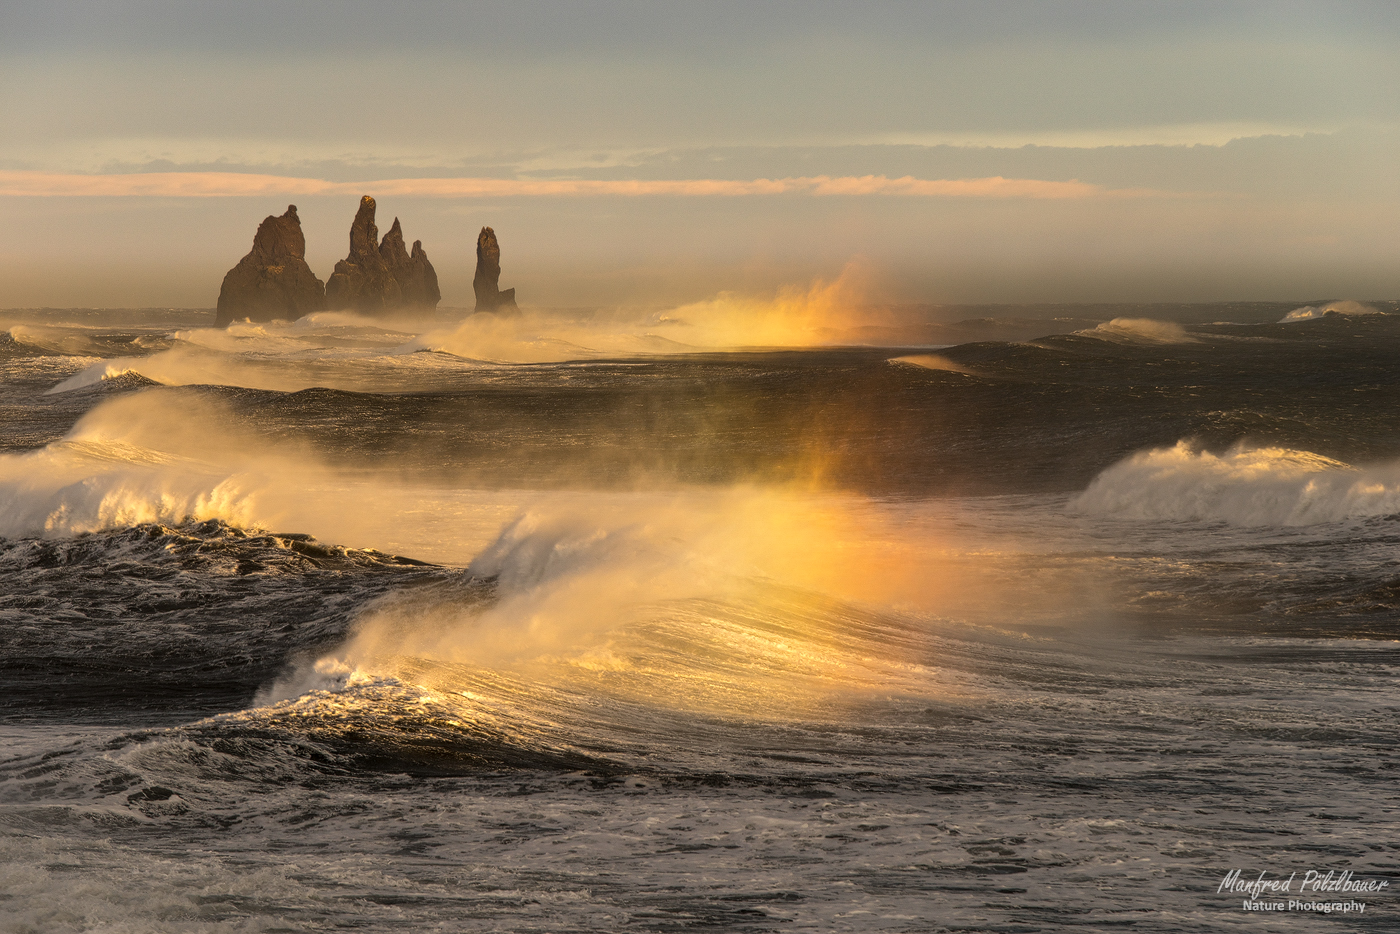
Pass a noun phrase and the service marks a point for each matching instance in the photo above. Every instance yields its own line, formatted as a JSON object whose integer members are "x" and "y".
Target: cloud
{"x": 1213, "y": 134}
{"x": 237, "y": 184}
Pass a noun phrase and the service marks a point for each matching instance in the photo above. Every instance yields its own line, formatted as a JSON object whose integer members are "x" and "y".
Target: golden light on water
{"x": 718, "y": 597}
{"x": 759, "y": 602}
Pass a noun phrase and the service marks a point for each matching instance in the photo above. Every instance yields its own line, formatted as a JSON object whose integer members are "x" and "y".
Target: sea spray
{"x": 821, "y": 313}
{"x": 663, "y": 613}
{"x": 705, "y": 600}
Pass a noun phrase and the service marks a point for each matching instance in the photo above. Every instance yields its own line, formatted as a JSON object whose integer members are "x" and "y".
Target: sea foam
{"x": 1246, "y": 486}
{"x": 1138, "y": 331}
{"x": 1313, "y": 312}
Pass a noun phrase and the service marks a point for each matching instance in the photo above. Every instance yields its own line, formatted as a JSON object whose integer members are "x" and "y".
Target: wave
{"x": 109, "y": 375}
{"x": 56, "y": 492}
{"x": 335, "y": 349}
{"x": 1313, "y": 312}
{"x": 1139, "y": 331}
{"x": 173, "y": 455}
{"x": 649, "y": 591}
{"x": 1245, "y": 486}
{"x": 318, "y": 331}
{"x": 750, "y": 603}
{"x": 930, "y": 361}
{"x": 149, "y": 457}
{"x": 13, "y": 346}
{"x": 78, "y": 341}
{"x": 293, "y": 367}
{"x": 126, "y": 616}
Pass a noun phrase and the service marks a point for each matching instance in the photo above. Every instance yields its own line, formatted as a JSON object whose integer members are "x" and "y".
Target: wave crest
{"x": 1244, "y": 486}
{"x": 1313, "y": 312}
{"x": 1139, "y": 331}
{"x": 144, "y": 457}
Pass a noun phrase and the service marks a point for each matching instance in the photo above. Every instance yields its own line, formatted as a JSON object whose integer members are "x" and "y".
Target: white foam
{"x": 1313, "y": 312}
{"x": 100, "y": 372}
{"x": 341, "y": 350}
{"x": 167, "y": 456}
{"x": 70, "y": 340}
{"x": 1139, "y": 331}
{"x": 1266, "y": 486}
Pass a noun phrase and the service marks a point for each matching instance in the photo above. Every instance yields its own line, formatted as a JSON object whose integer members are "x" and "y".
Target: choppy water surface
{"x": 571, "y": 623}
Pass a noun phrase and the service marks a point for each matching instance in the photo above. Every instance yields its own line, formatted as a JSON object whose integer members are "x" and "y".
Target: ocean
{"x": 728, "y": 618}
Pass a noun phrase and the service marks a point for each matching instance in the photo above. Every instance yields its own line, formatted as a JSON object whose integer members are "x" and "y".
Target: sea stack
{"x": 273, "y": 281}
{"x": 418, "y": 285}
{"x": 362, "y": 281}
{"x": 489, "y": 297}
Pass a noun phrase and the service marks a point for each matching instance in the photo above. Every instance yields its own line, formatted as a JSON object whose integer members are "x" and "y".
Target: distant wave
{"x": 263, "y": 358}
{"x": 933, "y": 361}
{"x": 70, "y": 342}
{"x": 1139, "y": 330}
{"x": 10, "y": 343}
{"x": 1244, "y": 486}
{"x": 1313, "y": 312}
{"x": 116, "y": 372}
{"x": 78, "y": 341}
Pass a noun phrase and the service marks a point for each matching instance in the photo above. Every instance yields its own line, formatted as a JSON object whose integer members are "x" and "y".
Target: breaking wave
{"x": 1313, "y": 312}
{"x": 1246, "y": 486}
{"x": 156, "y": 456}
{"x": 170, "y": 456}
{"x": 1138, "y": 330}
{"x": 734, "y": 604}
{"x": 75, "y": 341}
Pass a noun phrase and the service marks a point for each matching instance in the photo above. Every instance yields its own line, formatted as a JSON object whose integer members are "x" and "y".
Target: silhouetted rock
{"x": 362, "y": 281}
{"x": 486, "y": 283}
{"x": 422, "y": 278}
{"x": 418, "y": 285}
{"x": 273, "y": 281}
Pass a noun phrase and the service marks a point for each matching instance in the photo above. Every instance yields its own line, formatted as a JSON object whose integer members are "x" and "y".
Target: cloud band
{"x": 236, "y": 185}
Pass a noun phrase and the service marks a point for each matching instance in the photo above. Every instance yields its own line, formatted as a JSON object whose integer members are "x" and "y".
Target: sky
{"x": 653, "y": 153}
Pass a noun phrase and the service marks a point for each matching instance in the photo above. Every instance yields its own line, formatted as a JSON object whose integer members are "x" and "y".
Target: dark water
{"x": 565, "y": 624}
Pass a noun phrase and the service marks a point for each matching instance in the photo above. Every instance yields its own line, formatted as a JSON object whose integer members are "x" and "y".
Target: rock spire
{"x": 362, "y": 281}
{"x": 273, "y": 281}
{"x": 377, "y": 278}
{"x": 418, "y": 285}
{"x": 486, "y": 283}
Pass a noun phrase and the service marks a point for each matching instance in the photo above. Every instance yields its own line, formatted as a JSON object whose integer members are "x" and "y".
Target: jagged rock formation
{"x": 273, "y": 281}
{"x": 381, "y": 277}
{"x": 486, "y": 283}
{"x": 418, "y": 285}
{"x": 362, "y": 281}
